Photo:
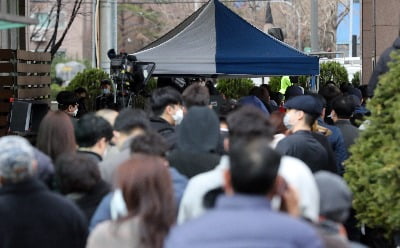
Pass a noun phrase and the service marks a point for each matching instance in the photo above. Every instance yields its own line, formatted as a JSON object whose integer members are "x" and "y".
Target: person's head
{"x": 56, "y": 134}
{"x": 253, "y": 168}
{"x": 248, "y": 123}
{"x": 293, "y": 91}
{"x": 93, "y": 132}
{"x": 343, "y": 107}
{"x": 130, "y": 123}
{"x": 302, "y": 112}
{"x": 276, "y": 119}
{"x": 199, "y": 131}
{"x": 81, "y": 93}
{"x": 355, "y": 92}
{"x": 195, "y": 95}
{"x": 76, "y": 173}
{"x": 322, "y": 100}
{"x": 67, "y": 102}
{"x": 329, "y": 92}
{"x": 146, "y": 187}
{"x": 167, "y": 104}
{"x": 108, "y": 114}
{"x": 17, "y": 161}
{"x": 335, "y": 196}
{"x": 261, "y": 92}
{"x": 105, "y": 86}
{"x": 254, "y": 101}
{"x": 150, "y": 143}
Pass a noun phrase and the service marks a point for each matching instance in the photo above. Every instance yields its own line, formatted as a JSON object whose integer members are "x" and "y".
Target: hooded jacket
{"x": 198, "y": 137}
{"x": 382, "y": 66}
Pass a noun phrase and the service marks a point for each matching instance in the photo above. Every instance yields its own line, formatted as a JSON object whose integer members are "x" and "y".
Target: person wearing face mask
{"x": 81, "y": 94}
{"x": 197, "y": 144}
{"x": 166, "y": 104}
{"x": 68, "y": 103}
{"x": 106, "y": 99}
{"x": 301, "y": 114}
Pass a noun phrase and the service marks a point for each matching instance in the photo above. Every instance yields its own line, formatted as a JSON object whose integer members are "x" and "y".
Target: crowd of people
{"x": 262, "y": 171}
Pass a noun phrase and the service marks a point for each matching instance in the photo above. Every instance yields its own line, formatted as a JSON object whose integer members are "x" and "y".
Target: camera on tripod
{"x": 128, "y": 75}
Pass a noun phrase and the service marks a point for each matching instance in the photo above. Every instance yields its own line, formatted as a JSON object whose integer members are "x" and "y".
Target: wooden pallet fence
{"x": 23, "y": 75}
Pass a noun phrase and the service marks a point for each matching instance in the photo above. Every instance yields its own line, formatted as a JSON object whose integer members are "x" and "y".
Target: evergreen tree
{"x": 373, "y": 170}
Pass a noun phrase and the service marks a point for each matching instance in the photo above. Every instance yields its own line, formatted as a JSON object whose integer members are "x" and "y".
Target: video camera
{"x": 129, "y": 76}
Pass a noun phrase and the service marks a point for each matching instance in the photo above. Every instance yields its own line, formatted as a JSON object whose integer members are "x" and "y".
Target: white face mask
{"x": 286, "y": 122}
{"x": 75, "y": 112}
{"x": 178, "y": 116}
{"x": 106, "y": 91}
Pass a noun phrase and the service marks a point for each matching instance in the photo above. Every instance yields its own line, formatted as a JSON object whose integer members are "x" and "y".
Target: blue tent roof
{"x": 216, "y": 41}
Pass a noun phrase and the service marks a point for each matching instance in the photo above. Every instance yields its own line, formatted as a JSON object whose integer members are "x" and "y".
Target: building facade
{"x": 78, "y": 40}
{"x": 15, "y": 38}
{"x": 380, "y": 27}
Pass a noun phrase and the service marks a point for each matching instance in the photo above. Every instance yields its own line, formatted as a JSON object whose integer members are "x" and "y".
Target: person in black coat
{"x": 382, "y": 66}
{"x": 31, "y": 215}
{"x": 78, "y": 177}
{"x": 166, "y": 104}
{"x": 302, "y": 112}
{"x": 198, "y": 140}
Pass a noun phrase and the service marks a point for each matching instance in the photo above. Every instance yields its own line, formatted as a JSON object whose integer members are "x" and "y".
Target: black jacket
{"x": 32, "y": 216}
{"x": 166, "y": 130}
{"x": 89, "y": 201}
{"x": 304, "y": 146}
{"x": 382, "y": 66}
{"x": 198, "y": 139}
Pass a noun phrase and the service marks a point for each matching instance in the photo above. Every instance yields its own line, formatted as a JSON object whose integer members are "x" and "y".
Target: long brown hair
{"x": 147, "y": 190}
{"x": 56, "y": 134}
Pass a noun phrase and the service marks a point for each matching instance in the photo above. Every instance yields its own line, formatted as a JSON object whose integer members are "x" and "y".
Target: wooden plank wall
{"x": 23, "y": 75}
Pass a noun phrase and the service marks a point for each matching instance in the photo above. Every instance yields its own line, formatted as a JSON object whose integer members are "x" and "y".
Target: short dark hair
{"x": 65, "y": 99}
{"x": 196, "y": 95}
{"x": 310, "y": 119}
{"x": 329, "y": 92}
{"x": 105, "y": 82}
{"x": 261, "y": 92}
{"x": 80, "y": 90}
{"x": 150, "y": 143}
{"x": 253, "y": 166}
{"x": 129, "y": 119}
{"x": 248, "y": 122}
{"x": 163, "y": 97}
{"x": 90, "y": 129}
{"x": 76, "y": 173}
{"x": 344, "y": 106}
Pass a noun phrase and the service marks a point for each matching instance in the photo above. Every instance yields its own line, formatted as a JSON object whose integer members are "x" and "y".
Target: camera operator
{"x": 106, "y": 99}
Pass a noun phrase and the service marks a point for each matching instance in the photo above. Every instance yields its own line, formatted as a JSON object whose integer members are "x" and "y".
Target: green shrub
{"x": 333, "y": 71}
{"x": 275, "y": 83}
{"x": 355, "y": 81}
{"x": 373, "y": 170}
{"x": 55, "y": 89}
{"x": 235, "y": 88}
{"x": 90, "y": 80}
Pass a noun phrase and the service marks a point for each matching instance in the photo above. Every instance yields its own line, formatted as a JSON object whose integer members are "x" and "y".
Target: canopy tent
{"x": 8, "y": 21}
{"x": 214, "y": 41}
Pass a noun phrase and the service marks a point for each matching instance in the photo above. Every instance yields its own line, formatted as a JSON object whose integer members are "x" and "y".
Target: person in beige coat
{"x": 146, "y": 188}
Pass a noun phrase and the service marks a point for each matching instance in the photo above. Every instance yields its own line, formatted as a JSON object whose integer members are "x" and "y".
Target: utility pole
{"x": 106, "y": 33}
{"x": 351, "y": 29}
{"x": 314, "y": 26}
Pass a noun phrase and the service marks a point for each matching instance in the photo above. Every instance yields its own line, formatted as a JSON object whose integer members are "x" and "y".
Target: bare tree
{"x": 53, "y": 23}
